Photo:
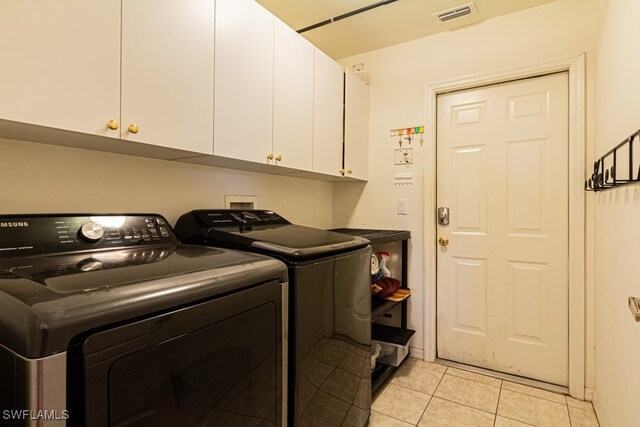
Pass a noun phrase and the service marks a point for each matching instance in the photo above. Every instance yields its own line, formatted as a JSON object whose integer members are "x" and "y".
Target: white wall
{"x": 617, "y": 222}
{"x": 398, "y": 76}
{"x": 39, "y": 178}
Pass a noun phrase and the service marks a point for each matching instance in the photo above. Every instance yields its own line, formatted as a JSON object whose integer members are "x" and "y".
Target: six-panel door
{"x": 502, "y": 287}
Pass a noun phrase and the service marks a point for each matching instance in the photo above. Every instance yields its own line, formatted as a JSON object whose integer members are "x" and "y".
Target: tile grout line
{"x": 425, "y": 410}
{"x": 500, "y": 388}
{"x": 433, "y": 395}
{"x": 519, "y": 421}
{"x": 395, "y": 418}
{"x": 528, "y": 382}
{"x": 421, "y": 391}
{"x": 502, "y": 381}
{"x": 566, "y": 401}
{"x": 568, "y": 412}
{"x": 537, "y": 397}
{"x": 495, "y": 418}
{"x": 388, "y": 383}
{"x": 463, "y": 404}
{"x": 479, "y": 382}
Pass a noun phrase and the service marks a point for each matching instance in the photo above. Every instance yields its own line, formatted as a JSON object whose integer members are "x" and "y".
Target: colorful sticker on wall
{"x": 406, "y": 135}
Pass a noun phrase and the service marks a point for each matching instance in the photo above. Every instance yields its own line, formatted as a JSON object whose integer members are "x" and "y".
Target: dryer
{"x": 329, "y": 306}
{"x": 106, "y": 320}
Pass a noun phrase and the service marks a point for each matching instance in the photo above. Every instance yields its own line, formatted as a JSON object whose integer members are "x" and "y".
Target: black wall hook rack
{"x": 616, "y": 167}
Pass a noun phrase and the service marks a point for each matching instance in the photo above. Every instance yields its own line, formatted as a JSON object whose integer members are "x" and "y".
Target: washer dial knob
{"x": 91, "y": 232}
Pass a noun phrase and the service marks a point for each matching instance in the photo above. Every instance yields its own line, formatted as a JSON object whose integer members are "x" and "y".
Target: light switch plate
{"x": 401, "y": 205}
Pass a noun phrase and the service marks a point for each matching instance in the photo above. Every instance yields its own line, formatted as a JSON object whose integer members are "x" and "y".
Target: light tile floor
{"x": 430, "y": 394}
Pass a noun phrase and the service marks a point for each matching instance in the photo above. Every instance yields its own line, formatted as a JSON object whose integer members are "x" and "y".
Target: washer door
{"x": 215, "y": 363}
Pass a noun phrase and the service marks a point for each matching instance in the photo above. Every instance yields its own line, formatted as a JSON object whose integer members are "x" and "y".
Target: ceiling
{"x": 386, "y": 25}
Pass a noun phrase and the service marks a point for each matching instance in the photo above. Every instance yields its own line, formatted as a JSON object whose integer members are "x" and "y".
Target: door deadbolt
{"x": 443, "y": 215}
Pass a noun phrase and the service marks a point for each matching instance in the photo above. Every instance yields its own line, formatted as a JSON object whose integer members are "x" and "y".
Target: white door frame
{"x": 575, "y": 66}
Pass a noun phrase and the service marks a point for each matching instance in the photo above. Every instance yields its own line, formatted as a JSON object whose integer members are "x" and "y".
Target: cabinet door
{"x": 167, "y": 73}
{"x": 243, "y": 81}
{"x": 292, "y": 98}
{"x": 356, "y": 138}
{"x": 61, "y": 63}
{"x": 328, "y": 111}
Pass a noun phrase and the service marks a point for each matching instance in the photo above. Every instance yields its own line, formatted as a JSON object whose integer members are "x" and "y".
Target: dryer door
{"x": 215, "y": 363}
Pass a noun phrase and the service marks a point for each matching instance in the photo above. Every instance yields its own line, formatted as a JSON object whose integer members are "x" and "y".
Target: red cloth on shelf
{"x": 388, "y": 286}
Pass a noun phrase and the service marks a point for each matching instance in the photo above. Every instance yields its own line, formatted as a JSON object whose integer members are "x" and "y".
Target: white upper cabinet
{"x": 61, "y": 64}
{"x": 292, "y": 99}
{"x": 356, "y": 136}
{"x": 167, "y": 73}
{"x": 243, "y": 125}
{"x": 328, "y": 88}
{"x": 219, "y": 82}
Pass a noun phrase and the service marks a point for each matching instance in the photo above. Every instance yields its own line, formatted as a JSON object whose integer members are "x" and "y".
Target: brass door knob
{"x": 278, "y": 158}
{"x": 349, "y": 171}
{"x": 112, "y": 124}
{"x": 443, "y": 241}
{"x": 133, "y": 128}
{"x": 269, "y": 156}
{"x": 341, "y": 172}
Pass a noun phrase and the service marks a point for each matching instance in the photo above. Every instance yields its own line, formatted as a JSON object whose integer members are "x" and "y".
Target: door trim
{"x": 575, "y": 66}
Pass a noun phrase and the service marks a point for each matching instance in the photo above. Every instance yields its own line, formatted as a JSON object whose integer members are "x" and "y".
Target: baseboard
{"x": 598, "y": 408}
{"x": 588, "y": 394}
{"x": 417, "y": 353}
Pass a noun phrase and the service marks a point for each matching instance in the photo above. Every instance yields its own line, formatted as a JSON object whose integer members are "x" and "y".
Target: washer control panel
{"x": 22, "y": 235}
{"x": 234, "y": 218}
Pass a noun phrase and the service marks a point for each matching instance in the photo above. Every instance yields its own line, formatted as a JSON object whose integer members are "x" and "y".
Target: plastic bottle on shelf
{"x": 384, "y": 256}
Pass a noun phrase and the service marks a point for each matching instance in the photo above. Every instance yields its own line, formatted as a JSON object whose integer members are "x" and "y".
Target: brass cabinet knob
{"x": 443, "y": 241}
{"x": 269, "y": 156}
{"x": 349, "y": 171}
{"x": 278, "y": 158}
{"x": 112, "y": 124}
{"x": 341, "y": 172}
{"x": 133, "y": 128}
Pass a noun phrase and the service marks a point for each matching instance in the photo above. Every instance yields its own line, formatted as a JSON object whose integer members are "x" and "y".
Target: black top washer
{"x": 64, "y": 275}
{"x": 263, "y": 231}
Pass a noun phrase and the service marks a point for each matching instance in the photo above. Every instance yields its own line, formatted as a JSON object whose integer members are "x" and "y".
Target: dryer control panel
{"x": 22, "y": 235}
{"x": 216, "y": 218}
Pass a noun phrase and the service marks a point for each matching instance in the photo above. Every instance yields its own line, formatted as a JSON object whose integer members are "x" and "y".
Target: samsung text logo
{"x": 14, "y": 224}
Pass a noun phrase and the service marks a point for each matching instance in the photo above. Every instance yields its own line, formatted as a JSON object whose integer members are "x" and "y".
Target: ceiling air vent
{"x": 456, "y": 12}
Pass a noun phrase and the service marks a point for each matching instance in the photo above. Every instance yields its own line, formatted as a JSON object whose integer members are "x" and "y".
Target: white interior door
{"x": 502, "y": 279}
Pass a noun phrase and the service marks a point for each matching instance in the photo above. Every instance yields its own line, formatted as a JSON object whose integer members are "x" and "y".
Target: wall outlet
{"x": 403, "y": 156}
{"x": 401, "y": 205}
